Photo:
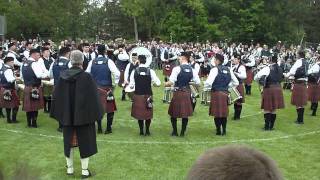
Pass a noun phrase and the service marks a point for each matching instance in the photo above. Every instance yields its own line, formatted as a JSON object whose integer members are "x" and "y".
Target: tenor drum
{"x": 206, "y": 96}
{"x": 167, "y": 95}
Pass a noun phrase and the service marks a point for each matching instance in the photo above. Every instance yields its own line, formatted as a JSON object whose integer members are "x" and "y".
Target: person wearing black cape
{"x": 77, "y": 107}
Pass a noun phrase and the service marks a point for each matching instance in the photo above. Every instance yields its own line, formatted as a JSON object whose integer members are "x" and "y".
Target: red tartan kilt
{"x": 249, "y": 76}
{"x": 74, "y": 140}
{"x": 15, "y": 101}
{"x": 240, "y": 88}
{"x": 313, "y": 92}
{"x": 299, "y": 96}
{"x": 167, "y": 72}
{"x": 121, "y": 79}
{"x": 32, "y": 105}
{"x": 180, "y": 105}
{"x": 108, "y": 106}
{"x": 219, "y": 104}
{"x": 272, "y": 98}
{"x": 139, "y": 108}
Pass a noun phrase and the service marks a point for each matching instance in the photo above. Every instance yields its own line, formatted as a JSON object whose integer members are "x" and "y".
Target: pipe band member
{"x": 220, "y": 79}
{"x": 142, "y": 78}
{"x": 272, "y": 95}
{"x": 101, "y": 69}
{"x": 180, "y": 105}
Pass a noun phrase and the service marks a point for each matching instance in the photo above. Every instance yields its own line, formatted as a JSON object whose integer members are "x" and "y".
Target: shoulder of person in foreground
{"x": 234, "y": 162}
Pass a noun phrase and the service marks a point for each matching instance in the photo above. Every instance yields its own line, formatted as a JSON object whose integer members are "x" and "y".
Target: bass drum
{"x": 142, "y": 51}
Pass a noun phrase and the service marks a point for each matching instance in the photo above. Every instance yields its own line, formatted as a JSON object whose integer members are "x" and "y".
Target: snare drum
{"x": 206, "y": 96}
{"x": 234, "y": 95}
{"x": 167, "y": 95}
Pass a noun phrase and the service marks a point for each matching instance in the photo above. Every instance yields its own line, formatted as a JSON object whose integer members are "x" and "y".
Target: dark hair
{"x": 301, "y": 54}
{"x": 142, "y": 59}
{"x": 28, "y": 43}
{"x": 274, "y": 59}
{"x": 8, "y": 59}
{"x": 234, "y": 162}
{"x": 34, "y": 50}
{"x": 64, "y": 50}
{"x": 101, "y": 49}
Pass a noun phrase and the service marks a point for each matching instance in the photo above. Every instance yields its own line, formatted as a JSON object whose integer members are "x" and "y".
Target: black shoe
{"x": 107, "y": 131}
{"x": 148, "y": 134}
{"x": 59, "y": 129}
{"x": 15, "y": 121}
{"x": 34, "y": 125}
{"x": 182, "y": 134}
{"x": 9, "y": 121}
{"x": 86, "y": 176}
{"x": 298, "y": 122}
{"x": 141, "y": 133}
{"x": 218, "y": 133}
{"x": 174, "y": 134}
{"x": 224, "y": 133}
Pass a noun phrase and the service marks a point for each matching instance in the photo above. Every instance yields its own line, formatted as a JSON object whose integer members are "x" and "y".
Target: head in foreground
{"x": 234, "y": 162}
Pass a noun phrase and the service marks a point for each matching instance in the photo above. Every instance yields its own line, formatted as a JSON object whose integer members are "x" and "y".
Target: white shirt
{"x": 251, "y": 62}
{"x": 241, "y": 74}
{"x": 8, "y": 74}
{"x": 294, "y": 68}
{"x": 201, "y": 57}
{"x": 26, "y": 53}
{"x": 37, "y": 69}
{"x": 314, "y": 69}
{"x": 263, "y": 72}
{"x": 114, "y": 70}
{"x": 43, "y": 67}
{"x": 123, "y": 56}
{"x": 15, "y": 60}
{"x": 51, "y": 66}
{"x": 126, "y": 72}
{"x": 93, "y": 55}
{"x": 154, "y": 78}
{"x": 196, "y": 68}
{"x": 169, "y": 52}
{"x": 176, "y": 71}
{"x": 213, "y": 74}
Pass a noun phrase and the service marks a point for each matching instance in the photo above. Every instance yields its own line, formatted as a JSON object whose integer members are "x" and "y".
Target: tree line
{"x": 170, "y": 20}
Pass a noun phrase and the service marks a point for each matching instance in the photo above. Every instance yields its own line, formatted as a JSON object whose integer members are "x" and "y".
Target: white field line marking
{"x": 175, "y": 142}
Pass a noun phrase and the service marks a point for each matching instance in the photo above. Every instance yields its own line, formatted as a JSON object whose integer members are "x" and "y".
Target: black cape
{"x": 77, "y": 106}
{"x": 75, "y": 99}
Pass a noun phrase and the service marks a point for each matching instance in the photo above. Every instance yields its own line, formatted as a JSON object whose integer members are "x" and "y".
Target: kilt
{"x": 74, "y": 140}
{"x": 29, "y": 104}
{"x": 121, "y": 65}
{"x": 313, "y": 92}
{"x": 108, "y": 106}
{"x": 180, "y": 105}
{"x": 219, "y": 104}
{"x": 249, "y": 76}
{"x": 15, "y": 101}
{"x": 167, "y": 71}
{"x": 139, "y": 108}
{"x": 272, "y": 98}
{"x": 240, "y": 88}
{"x": 299, "y": 96}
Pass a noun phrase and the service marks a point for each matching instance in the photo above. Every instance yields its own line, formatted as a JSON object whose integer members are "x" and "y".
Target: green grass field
{"x": 126, "y": 155}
